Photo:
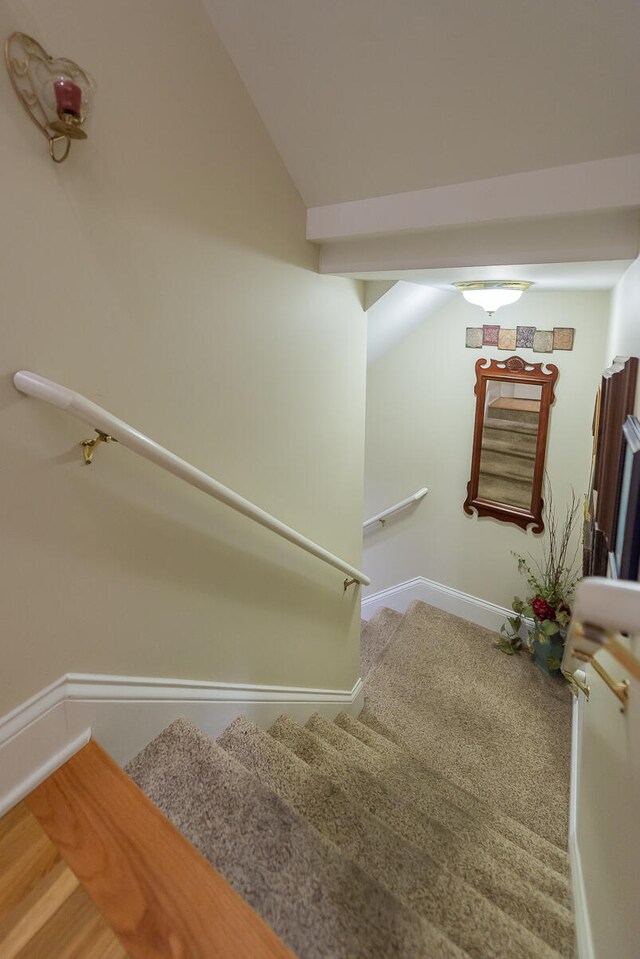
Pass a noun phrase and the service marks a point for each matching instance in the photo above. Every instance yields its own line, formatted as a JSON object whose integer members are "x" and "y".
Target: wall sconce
{"x": 492, "y": 294}
{"x": 56, "y": 93}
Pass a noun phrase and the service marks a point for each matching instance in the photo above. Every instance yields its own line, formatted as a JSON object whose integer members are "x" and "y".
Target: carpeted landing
{"x": 433, "y": 826}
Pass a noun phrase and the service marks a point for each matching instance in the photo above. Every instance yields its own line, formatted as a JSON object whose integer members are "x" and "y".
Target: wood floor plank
{"x": 26, "y": 855}
{"x": 155, "y": 890}
{"x": 76, "y": 931}
{"x": 12, "y": 819}
{"x": 35, "y": 910}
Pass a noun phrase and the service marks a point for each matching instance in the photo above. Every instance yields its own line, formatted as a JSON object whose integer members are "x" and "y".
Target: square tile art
{"x": 506, "y": 339}
{"x": 543, "y": 341}
{"x": 524, "y": 337}
{"x": 490, "y": 335}
{"x": 474, "y": 337}
{"x": 563, "y": 337}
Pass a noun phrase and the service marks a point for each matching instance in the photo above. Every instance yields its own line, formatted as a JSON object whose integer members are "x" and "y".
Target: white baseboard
{"x": 124, "y": 713}
{"x": 584, "y": 939}
{"x": 468, "y": 607}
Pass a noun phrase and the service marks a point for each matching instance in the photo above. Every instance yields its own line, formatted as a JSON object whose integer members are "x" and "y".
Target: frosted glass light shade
{"x": 492, "y": 300}
{"x": 492, "y": 294}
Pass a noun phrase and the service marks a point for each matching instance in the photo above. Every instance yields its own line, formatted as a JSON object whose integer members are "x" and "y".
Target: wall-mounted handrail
{"x": 602, "y": 609}
{"x": 381, "y": 517}
{"x": 110, "y": 426}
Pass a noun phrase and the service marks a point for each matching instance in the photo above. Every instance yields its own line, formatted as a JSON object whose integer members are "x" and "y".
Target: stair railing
{"x": 111, "y": 429}
{"x": 602, "y": 610}
{"x": 382, "y": 517}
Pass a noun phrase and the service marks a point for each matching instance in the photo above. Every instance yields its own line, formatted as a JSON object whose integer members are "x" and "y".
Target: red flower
{"x": 542, "y": 609}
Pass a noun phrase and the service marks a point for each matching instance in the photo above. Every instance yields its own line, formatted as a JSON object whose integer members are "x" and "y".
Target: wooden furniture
{"x": 513, "y": 400}
{"x": 616, "y": 401}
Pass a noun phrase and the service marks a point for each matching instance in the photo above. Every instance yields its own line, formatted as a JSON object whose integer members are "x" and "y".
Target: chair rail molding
{"x": 124, "y": 713}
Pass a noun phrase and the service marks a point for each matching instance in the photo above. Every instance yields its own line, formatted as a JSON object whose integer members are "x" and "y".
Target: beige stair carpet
{"x": 468, "y": 829}
{"x": 375, "y": 635}
{"x": 432, "y": 889}
{"x": 318, "y": 901}
{"x": 491, "y": 724}
{"x": 518, "y": 898}
{"x": 397, "y": 761}
{"x": 434, "y": 826}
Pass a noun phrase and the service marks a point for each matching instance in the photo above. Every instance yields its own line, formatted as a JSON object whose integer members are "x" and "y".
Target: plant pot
{"x": 547, "y": 652}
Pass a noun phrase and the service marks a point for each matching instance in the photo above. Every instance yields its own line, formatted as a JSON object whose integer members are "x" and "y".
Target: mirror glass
{"x": 513, "y": 399}
{"x": 509, "y": 440}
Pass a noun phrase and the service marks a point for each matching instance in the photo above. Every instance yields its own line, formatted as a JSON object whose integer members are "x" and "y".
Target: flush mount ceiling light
{"x": 55, "y": 92}
{"x": 492, "y": 294}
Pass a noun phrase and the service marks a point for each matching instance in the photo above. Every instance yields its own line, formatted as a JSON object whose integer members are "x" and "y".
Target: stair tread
{"x": 517, "y": 898}
{"x": 467, "y": 917}
{"x": 506, "y": 466}
{"x": 491, "y": 723}
{"x": 516, "y": 403}
{"x": 507, "y": 448}
{"x": 468, "y": 827}
{"x": 375, "y": 635}
{"x": 371, "y": 732}
{"x": 510, "y": 425}
{"x": 318, "y": 901}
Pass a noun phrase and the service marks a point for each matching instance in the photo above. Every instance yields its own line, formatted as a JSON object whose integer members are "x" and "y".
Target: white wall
{"x": 624, "y": 325}
{"x": 420, "y": 415}
{"x": 163, "y": 272}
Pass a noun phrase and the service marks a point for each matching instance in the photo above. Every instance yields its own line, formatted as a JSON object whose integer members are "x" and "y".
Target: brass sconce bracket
{"x": 89, "y": 446}
{"x": 350, "y": 582}
{"x": 619, "y": 689}
{"x": 54, "y": 91}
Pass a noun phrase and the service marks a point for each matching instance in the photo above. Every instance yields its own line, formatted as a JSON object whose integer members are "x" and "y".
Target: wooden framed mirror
{"x": 513, "y": 400}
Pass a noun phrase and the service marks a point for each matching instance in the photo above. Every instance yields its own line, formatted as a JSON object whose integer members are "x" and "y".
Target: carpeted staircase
{"x": 433, "y": 826}
{"x": 508, "y": 454}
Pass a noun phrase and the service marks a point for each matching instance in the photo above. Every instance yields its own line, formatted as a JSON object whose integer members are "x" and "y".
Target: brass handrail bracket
{"x": 350, "y": 582}
{"x": 89, "y": 446}
{"x": 575, "y": 685}
{"x": 619, "y": 689}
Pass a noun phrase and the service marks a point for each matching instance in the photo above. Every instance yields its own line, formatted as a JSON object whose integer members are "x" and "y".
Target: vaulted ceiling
{"x": 366, "y": 98}
{"x": 435, "y": 135}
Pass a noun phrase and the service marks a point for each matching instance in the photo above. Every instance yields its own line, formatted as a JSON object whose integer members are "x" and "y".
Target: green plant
{"x": 546, "y": 610}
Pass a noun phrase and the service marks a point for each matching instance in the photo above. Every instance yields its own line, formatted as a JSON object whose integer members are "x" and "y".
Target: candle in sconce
{"x": 68, "y": 97}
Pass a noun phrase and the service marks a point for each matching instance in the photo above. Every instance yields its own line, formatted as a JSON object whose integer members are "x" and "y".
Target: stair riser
{"x": 473, "y": 831}
{"x": 500, "y": 884}
{"x": 395, "y": 757}
{"x": 437, "y": 893}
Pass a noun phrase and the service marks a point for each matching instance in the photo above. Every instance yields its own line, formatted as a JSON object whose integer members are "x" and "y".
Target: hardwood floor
{"x": 44, "y": 911}
{"x": 155, "y": 890}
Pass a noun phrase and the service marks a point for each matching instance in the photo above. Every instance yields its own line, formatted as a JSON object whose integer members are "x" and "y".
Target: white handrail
{"x": 100, "y": 419}
{"x": 602, "y": 608}
{"x": 381, "y": 517}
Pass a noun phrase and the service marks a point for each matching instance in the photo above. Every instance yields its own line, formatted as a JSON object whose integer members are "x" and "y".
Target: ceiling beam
{"x": 596, "y": 185}
{"x": 587, "y": 237}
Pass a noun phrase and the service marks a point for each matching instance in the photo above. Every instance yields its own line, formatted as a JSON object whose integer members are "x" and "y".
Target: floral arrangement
{"x": 551, "y": 583}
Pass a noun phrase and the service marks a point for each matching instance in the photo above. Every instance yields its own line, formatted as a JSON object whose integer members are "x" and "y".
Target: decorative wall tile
{"x": 563, "y": 337}
{"x": 524, "y": 337}
{"x": 506, "y": 339}
{"x": 490, "y": 335}
{"x": 543, "y": 341}
{"x": 474, "y": 337}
